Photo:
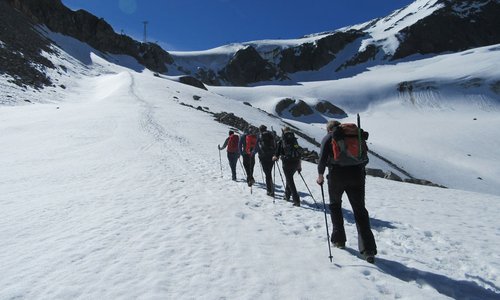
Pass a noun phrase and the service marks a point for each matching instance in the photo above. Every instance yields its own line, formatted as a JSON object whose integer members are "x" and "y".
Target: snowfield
{"x": 115, "y": 192}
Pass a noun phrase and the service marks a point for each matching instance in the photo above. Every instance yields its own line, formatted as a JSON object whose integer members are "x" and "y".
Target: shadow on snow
{"x": 457, "y": 289}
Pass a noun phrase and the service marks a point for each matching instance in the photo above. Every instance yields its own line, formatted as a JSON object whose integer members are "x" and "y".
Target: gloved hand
{"x": 364, "y": 134}
{"x": 218, "y": 146}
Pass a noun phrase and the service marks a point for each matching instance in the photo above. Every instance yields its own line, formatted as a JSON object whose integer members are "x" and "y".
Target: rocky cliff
{"x": 457, "y": 26}
{"x": 91, "y": 30}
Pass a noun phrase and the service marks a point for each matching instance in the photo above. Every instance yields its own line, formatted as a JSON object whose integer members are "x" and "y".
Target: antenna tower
{"x": 145, "y": 31}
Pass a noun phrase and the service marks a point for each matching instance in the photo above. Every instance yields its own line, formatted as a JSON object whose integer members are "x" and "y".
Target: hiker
{"x": 233, "y": 154}
{"x": 348, "y": 177}
{"x": 290, "y": 152}
{"x": 247, "y": 149}
{"x": 266, "y": 146}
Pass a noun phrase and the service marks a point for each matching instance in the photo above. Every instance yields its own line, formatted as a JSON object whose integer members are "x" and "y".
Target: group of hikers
{"x": 270, "y": 148}
{"x": 343, "y": 151}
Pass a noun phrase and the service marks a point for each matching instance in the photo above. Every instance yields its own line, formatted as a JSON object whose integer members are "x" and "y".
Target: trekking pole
{"x": 245, "y": 173}
{"x": 243, "y": 168}
{"x": 359, "y": 136}
{"x": 308, "y": 189}
{"x": 274, "y": 183}
{"x": 220, "y": 162}
{"x": 326, "y": 223}
{"x": 282, "y": 181}
{"x": 262, "y": 172}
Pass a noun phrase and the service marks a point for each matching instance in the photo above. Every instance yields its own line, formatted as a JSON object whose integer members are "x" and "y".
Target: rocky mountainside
{"x": 20, "y": 49}
{"x": 22, "y": 43}
{"x": 423, "y": 28}
{"x": 456, "y": 26}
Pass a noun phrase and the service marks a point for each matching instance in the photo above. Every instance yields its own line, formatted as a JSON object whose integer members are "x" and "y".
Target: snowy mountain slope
{"x": 425, "y": 28}
{"x": 384, "y": 32}
{"x": 447, "y": 91}
{"x": 111, "y": 185}
{"x": 422, "y": 29}
{"x": 426, "y": 116}
{"x": 115, "y": 191}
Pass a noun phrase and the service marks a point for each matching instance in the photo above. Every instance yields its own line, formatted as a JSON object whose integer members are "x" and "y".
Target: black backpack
{"x": 291, "y": 148}
{"x": 267, "y": 145}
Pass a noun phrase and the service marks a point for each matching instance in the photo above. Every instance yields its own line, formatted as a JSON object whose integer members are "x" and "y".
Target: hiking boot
{"x": 287, "y": 197}
{"x": 369, "y": 256}
{"x": 270, "y": 194}
{"x": 296, "y": 203}
{"x": 370, "y": 259}
{"x": 340, "y": 245}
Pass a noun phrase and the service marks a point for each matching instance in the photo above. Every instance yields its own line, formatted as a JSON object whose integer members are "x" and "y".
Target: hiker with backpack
{"x": 233, "y": 154}
{"x": 266, "y": 146}
{"x": 290, "y": 153}
{"x": 345, "y": 153}
{"x": 247, "y": 149}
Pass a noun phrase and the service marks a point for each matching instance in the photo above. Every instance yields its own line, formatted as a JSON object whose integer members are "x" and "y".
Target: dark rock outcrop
{"x": 495, "y": 87}
{"x": 190, "y": 80}
{"x": 21, "y": 49}
{"x": 313, "y": 56}
{"x": 423, "y": 182}
{"x": 330, "y": 110}
{"x": 375, "y": 172}
{"x": 234, "y": 121}
{"x": 296, "y": 108}
{"x": 392, "y": 176}
{"x": 91, "y": 30}
{"x": 207, "y": 76}
{"x": 247, "y": 66}
{"x": 283, "y": 104}
{"x": 459, "y": 26}
{"x": 301, "y": 109}
{"x": 360, "y": 57}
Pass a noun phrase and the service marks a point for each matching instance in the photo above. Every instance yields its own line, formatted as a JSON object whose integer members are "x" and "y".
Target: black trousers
{"x": 267, "y": 166}
{"x": 232, "y": 157}
{"x": 350, "y": 180}
{"x": 289, "y": 169}
{"x": 249, "y": 164}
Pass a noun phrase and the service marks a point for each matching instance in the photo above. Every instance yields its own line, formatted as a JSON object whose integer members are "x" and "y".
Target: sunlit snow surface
{"x": 110, "y": 189}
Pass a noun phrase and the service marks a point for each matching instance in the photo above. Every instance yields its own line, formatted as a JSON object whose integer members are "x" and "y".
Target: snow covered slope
{"x": 436, "y": 118}
{"x": 423, "y": 29}
{"x": 115, "y": 191}
{"x": 111, "y": 185}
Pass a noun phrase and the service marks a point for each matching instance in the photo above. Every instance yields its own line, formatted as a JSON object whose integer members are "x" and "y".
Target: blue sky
{"x": 184, "y": 25}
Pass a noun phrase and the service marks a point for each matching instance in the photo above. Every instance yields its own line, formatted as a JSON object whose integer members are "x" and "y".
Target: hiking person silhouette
{"x": 266, "y": 147}
{"x": 351, "y": 180}
{"x": 247, "y": 149}
{"x": 290, "y": 153}
{"x": 233, "y": 154}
